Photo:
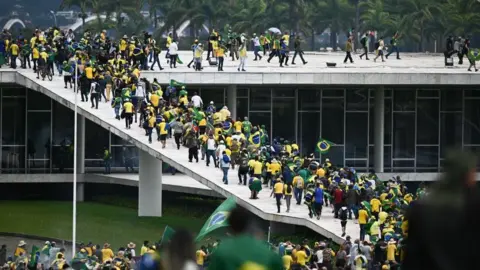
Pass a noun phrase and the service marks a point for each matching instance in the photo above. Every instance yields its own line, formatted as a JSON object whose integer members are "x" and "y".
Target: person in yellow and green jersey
{"x": 249, "y": 252}
{"x": 14, "y": 51}
{"x": 362, "y": 221}
{"x": 201, "y": 255}
{"x": 278, "y": 192}
{"x": 301, "y": 257}
{"x": 152, "y": 120}
{"x": 376, "y": 205}
{"x": 163, "y": 132}
{"x": 107, "y": 159}
{"x": 128, "y": 109}
{"x": 275, "y": 50}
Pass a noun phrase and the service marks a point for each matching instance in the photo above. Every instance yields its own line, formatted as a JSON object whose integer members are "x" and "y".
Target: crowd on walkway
{"x": 111, "y": 71}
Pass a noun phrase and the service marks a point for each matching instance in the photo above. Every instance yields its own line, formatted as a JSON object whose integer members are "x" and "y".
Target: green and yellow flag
{"x": 218, "y": 219}
{"x": 34, "y": 257}
{"x": 167, "y": 235}
{"x": 176, "y": 84}
{"x": 323, "y": 146}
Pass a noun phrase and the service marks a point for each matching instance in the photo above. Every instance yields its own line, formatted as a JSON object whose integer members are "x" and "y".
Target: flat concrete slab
{"x": 412, "y": 69}
{"x": 265, "y": 207}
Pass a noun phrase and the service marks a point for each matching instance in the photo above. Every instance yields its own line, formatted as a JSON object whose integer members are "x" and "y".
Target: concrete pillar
{"x": 379, "y": 129}
{"x": 149, "y": 186}
{"x": 81, "y": 144}
{"x": 232, "y": 100}
{"x": 80, "y": 192}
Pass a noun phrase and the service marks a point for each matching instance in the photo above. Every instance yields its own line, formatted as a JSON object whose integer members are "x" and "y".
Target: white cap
{"x": 211, "y": 102}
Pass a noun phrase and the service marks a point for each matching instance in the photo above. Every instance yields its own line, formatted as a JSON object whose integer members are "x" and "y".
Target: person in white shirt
{"x": 173, "y": 51}
{"x": 256, "y": 47}
{"x": 197, "y": 100}
{"x": 380, "y": 48}
{"x": 211, "y": 150}
{"x": 220, "y": 148}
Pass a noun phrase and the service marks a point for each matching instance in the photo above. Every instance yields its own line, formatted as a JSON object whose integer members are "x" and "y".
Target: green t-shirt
{"x": 244, "y": 253}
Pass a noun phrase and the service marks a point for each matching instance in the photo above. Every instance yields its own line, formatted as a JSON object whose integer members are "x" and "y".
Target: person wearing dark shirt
{"x": 338, "y": 198}
{"x": 443, "y": 226}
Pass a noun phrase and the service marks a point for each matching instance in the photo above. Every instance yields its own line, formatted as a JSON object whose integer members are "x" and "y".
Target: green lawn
{"x": 95, "y": 222}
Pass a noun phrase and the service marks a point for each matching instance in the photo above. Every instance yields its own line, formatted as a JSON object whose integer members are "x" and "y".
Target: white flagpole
{"x": 268, "y": 237}
{"x": 74, "y": 214}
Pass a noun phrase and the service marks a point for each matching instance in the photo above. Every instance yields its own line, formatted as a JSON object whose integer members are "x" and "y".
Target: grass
{"x": 96, "y": 222}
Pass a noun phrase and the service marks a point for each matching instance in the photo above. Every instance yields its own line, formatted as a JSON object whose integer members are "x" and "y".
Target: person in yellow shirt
{"x": 107, "y": 253}
{"x": 201, "y": 255}
{"x": 162, "y": 130}
{"x": 301, "y": 256}
{"x": 376, "y": 207}
{"x": 238, "y": 125}
{"x": 288, "y": 192}
{"x": 20, "y": 249}
{"x": 257, "y": 168}
{"x": 287, "y": 260}
{"x": 35, "y": 56}
{"x": 14, "y": 50}
{"x": 144, "y": 248}
{"x": 220, "y": 56}
{"x": 152, "y": 120}
{"x": 362, "y": 221}
{"x": 128, "y": 110}
{"x": 278, "y": 191}
{"x": 391, "y": 249}
{"x": 89, "y": 72}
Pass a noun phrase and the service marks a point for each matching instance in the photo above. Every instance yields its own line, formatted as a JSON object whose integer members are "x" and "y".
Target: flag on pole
{"x": 34, "y": 257}
{"x": 167, "y": 235}
{"x": 176, "y": 84}
{"x": 323, "y": 146}
{"x": 218, "y": 219}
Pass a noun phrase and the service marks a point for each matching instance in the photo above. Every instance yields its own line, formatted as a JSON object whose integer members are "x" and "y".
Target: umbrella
{"x": 275, "y": 30}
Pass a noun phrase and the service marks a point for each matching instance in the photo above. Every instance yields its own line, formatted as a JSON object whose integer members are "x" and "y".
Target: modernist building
{"x": 420, "y": 123}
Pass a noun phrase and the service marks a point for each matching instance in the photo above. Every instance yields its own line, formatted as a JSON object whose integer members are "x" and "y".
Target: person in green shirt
{"x": 242, "y": 250}
{"x": 247, "y": 127}
{"x": 107, "y": 158}
{"x": 394, "y": 42}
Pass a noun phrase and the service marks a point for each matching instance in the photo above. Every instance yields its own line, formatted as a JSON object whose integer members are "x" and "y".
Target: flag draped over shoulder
{"x": 218, "y": 219}
{"x": 34, "y": 257}
{"x": 323, "y": 146}
{"x": 167, "y": 234}
{"x": 176, "y": 84}
{"x": 255, "y": 139}
{"x": 367, "y": 206}
{"x": 197, "y": 115}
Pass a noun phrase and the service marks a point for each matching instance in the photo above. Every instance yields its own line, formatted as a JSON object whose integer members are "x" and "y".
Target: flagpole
{"x": 74, "y": 214}
{"x": 268, "y": 237}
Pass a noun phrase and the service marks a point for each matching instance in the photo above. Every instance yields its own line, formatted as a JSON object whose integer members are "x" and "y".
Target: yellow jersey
{"x": 200, "y": 255}
{"x": 128, "y": 107}
{"x": 162, "y": 126}
{"x": 14, "y": 49}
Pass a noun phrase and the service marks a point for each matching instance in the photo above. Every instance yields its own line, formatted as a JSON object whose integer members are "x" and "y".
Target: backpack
{"x": 98, "y": 88}
{"x": 343, "y": 213}
{"x": 363, "y": 41}
{"x": 289, "y": 188}
{"x": 377, "y": 44}
{"x": 327, "y": 255}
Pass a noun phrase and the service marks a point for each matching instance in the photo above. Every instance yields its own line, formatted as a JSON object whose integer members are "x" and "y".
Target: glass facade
{"x": 420, "y": 125}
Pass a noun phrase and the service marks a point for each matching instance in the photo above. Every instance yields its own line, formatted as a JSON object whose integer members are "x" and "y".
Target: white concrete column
{"x": 149, "y": 186}
{"x": 81, "y": 144}
{"x": 232, "y": 100}
{"x": 80, "y": 192}
{"x": 379, "y": 129}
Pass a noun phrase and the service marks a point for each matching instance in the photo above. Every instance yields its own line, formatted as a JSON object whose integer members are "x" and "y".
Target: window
{"x": 387, "y": 158}
{"x": 472, "y": 92}
{"x": 262, "y": 118}
{"x": 404, "y": 135}
{"x": 284, "y": 118}
{"x": 63, "y": 123}
{"x": 451, "y": 100}
{"x": 403, "y": 166}
{"x": 39, "y": 136}
{"x": 13, "y": 90}
{"x": 358, "y": 165}
{"x": 242, "y": 92}
{"x": 118, "y": 141}
{"x": 242, "y": 108}
{"x": 335, "y": 154}
{"x": 308, "y": 131}
{"x": 260, "y": 99}
{"x": 357, "y": 99}
{"x": 62, "y": 158}
{"x": 284, "y": 92}
{"x": 427, "y": 121}
{"x": 96, "y": 139}
{"x": 13, "y": 159}
{"x": 356, "y": 135}
{"x": 333, "y": 92}
{"x": 130, "y": 154}
{"x": 332, "y": 120}
{"x": 428, "y": 93}
{"x": 38, "y": 101}
{"x": 217, "y": 95}
{"x": 308, "y": 100}
{"x": 427, "y": 158}
{"x": 13, "y": 121}
{"x": 472, "y": 122}
{"x": 404, "y": 100}
{"x": 450, "y": 131}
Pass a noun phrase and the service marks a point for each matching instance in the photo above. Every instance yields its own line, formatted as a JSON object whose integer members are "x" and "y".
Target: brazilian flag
{"x": 367, "y": 206}
{"x": 323, "y": 146}
{"x": 176, "y": 84}
{"x": 473, "y": 54}
{"x": 255, "y": 139}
